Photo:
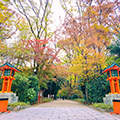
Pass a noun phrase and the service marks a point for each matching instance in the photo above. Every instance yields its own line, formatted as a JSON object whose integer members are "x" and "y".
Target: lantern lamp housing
{"x": 7, "y": 76}
{"x": 113, "y": 75}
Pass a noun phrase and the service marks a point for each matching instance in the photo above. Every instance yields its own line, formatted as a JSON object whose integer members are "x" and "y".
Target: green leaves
{"x": 103, "y": 106}
{"x": 31, "y": 94}
{"x": 26, "y": 88}
{"x": 97, "y": 88}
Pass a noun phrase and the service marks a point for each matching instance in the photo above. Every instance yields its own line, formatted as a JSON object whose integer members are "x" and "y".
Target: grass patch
{"x": 47, "y": 100}
{"x": 98, "y": 106}
{"x": 80, "y": 100}
{"x": 102, "y": 106}
{"x": 18, "y": 103}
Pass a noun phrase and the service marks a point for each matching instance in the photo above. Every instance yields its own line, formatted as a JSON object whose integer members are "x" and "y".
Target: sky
{"x": 57, "y": 13}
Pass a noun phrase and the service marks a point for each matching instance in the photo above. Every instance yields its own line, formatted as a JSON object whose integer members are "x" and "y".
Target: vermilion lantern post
{"x": 8, "y": 75}
{"x": 113, "y": 75}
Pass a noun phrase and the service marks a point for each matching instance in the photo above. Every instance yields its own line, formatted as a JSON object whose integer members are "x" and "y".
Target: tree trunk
{"x": 70, "y": 82}
{"x": 86, "y": 93}
{"x": 75, "y": 80}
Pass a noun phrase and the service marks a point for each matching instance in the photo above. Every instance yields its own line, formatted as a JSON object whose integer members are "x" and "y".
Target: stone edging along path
{"x": 99, "y": 109}
{"x": 17, "y": 108}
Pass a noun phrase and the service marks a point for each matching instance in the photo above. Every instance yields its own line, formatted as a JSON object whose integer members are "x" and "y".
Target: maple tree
{"x": 57, "y": 70}
{"x": 79, "y": 50}
{"x": 45, "y": 56}
{"x": 41, "y": 51}
{"x": 34, "y": 50}
{"x": 37, "y": 15}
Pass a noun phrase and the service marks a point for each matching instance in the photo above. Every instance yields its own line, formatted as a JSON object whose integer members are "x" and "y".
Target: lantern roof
{"x": 9, "y": 66}
{"x": 114, "y": 66}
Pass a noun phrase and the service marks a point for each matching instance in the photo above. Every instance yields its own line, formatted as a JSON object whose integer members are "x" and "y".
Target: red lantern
{"x": 113, "y": 75}
{"x": 8, "y": 75}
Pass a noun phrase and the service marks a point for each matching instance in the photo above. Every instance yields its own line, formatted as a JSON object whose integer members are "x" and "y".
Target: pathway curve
{"x": 59, "y": 110}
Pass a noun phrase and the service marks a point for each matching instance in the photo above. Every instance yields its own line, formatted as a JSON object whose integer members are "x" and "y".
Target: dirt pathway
{"x": 61, "y": 103}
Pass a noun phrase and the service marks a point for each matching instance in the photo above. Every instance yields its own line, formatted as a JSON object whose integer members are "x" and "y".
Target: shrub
{"x": 77, "y": 92}
{"x": 80, "y": 100}
{"x": 31, "y": 95}
{"x": 26, "y": 88}
{"x": 17, "y": 103}
{"x": 69, "y": 97}
{"x": 97, "y": 87}
{"x": 69, "y": 93}
{"x": 33, "y": 83}
{"x": 63, "y": 92}
{"x": 74, "y": 97}
{"x": 103, "y": 106}
{"x": 47, "y": 100}
{"x": 20, "y": 86}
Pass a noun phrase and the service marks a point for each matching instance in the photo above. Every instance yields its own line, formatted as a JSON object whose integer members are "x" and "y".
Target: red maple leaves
{"x": 41, "y": 50}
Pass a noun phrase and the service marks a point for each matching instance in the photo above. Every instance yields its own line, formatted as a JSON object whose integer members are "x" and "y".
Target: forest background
{"x": 67, "y": 62}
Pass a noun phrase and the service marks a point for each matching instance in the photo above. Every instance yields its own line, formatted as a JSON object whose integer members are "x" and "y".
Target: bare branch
{"x": 27, "y": 19}
{"x": 42, "y": 19}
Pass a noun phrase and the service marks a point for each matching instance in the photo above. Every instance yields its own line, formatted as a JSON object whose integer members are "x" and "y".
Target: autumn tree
{"x": 33, "y": 46}
{"x": 114, "y": 47}
{"x": 82, "y": 59}
{"x": 87, "y": 35}
{"x": 9, "y": 20}
{"x": 37, "y": 14}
